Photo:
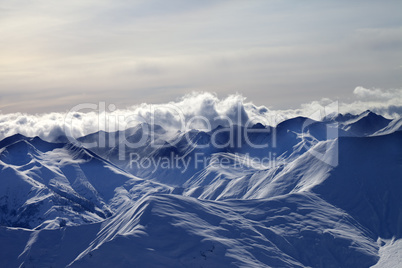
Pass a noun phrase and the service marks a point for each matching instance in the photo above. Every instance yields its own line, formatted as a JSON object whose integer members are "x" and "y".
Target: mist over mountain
{"x": 198, "y": 110}
{"x": 301, "y": 193}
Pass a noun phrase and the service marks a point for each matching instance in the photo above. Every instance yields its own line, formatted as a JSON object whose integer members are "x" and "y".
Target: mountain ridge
{"x": 318, "y": 201}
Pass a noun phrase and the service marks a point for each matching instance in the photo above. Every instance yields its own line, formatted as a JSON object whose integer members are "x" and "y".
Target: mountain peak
{"x": 371, "y": 115}
{"x": 258, "y": 126}
{"x": 11, "y": 139}
{"x": 368, "y": 113}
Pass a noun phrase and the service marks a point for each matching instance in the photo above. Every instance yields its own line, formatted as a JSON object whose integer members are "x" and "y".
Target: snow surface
{"x": 390, "y": 253}
{"x": 46, "y": 185}
{"x": 324, "y": 201}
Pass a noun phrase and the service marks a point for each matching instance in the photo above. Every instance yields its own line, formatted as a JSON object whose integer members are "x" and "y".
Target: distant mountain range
{"x": 304, "y": 193}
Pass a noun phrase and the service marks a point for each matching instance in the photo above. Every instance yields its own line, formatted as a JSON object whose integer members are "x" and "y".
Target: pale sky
{"x": 57, "y": 54}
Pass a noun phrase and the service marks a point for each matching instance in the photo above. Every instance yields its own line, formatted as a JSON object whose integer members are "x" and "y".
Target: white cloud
{"x": 196, "y": 110}
{"x": 365, "y": 93}
{"x": 387, "y": 102}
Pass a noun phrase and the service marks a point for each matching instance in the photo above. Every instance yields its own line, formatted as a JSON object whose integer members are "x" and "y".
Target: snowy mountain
{"x": 395, "y": 125}
{"x": 302, "y": 194}
{"x": 48, "y": 185}
{"x": 365, "y": 124}
{"x": 151, "y": 143}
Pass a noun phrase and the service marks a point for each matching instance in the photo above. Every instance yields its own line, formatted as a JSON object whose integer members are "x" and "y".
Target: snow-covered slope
{"x": 152, "y": 144}
{"x": 365, "y": 124}
{"x": 318, "y": 200}
{"x": 375, "y": 162}
{"x": 174, "y": 231}
{"x": 393, "y": 126}
{"x": 194, "y": 149}
{"x": 54, "y": 184}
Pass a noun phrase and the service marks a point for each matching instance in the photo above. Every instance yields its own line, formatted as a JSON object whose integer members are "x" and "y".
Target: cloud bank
{"x": 202, "y": 110}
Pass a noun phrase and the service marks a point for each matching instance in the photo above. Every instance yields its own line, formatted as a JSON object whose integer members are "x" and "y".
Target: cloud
{"x": 196, "y": 110}
{"x": 202, "y": 110}
{"x": 376, "y": 93}
{"x": 387, "y": 102}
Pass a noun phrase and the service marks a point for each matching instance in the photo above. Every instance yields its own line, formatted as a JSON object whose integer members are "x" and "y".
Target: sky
{"x": 280, "y": 54}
